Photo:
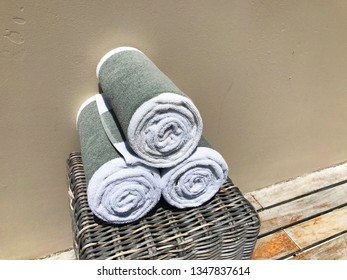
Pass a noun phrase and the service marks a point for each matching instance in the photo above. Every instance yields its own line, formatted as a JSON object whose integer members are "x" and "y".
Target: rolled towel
{"x": 161, "y": 124}
{"x": 117, "y": 193}
{"x": 195, "y": 180}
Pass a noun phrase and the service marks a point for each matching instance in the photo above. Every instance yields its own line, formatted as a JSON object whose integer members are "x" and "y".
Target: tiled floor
{"x": 304, "y": 218}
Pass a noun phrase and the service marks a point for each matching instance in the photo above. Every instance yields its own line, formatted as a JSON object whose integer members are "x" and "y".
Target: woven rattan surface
{"x": 226, "y": 227}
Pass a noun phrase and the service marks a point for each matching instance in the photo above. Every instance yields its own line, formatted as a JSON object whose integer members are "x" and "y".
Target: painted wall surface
{"x": 269, "y": 78}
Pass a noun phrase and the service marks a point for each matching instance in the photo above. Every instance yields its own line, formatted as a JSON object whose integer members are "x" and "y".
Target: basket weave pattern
{"x": 226, "y": 227}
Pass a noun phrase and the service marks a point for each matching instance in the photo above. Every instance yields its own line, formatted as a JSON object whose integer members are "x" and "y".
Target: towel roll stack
{"x": 141, "y": 139}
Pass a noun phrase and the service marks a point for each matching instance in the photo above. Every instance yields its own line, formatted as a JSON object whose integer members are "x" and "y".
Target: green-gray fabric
{"x": 117, "y": 193}
{"x": 128, "y": 79}
{"x": 96, "y": 148}
{"x": 204, "y": 143}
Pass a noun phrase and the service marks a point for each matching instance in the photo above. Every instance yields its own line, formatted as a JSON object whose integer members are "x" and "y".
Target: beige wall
{"x": 269, "y": 78}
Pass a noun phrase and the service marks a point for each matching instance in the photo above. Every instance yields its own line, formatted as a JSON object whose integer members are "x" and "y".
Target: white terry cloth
{"x": 121, "y": 194}
{"x": 165, "y": 130}
{"x": 195, "y": 180}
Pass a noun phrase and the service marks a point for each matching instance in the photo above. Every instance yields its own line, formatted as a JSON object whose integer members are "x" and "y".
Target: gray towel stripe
{"x": 114, "y": 131}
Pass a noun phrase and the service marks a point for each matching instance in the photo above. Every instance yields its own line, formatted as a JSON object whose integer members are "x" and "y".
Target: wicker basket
{"x": 226, "y": 227}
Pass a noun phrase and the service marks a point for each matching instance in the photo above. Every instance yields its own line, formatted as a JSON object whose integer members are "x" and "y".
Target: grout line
{"x": 317, "y": 244}
{"x": 250, "y": 195}
{"x": 261, "y": 206}
{"x": 292, "y": 239}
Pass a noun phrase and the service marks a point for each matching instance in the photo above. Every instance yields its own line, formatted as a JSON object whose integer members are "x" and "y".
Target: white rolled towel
{"x": 160, "y": 123}
{"x": 121, "y": 194}
{"x": 117, "y": 192}
{"x": 195, "y": 180}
